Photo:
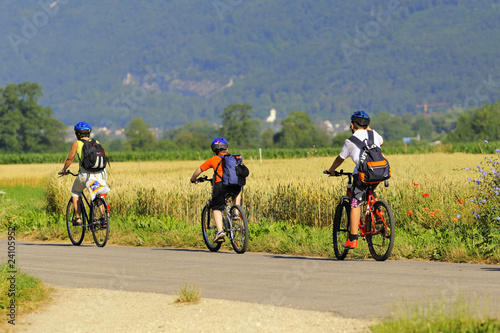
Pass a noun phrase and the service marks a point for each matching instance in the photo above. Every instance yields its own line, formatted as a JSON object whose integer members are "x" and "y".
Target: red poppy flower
{"x": 432, "y": 213}
{"x": 410, "y": 213}
{"x": 460, "y": 201}
{"x": 425, "y": 195}
{"x": 437, "y": 210}
{"x": 415, "y": 184}
{"x": 455, "y": 219}
{"x": 426, "y": 209}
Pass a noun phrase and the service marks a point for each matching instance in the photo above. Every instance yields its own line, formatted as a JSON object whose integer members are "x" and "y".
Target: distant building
{"x": 272, "y": 116}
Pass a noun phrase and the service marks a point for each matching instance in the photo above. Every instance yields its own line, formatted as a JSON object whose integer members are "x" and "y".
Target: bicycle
{"x": 234, "y": 219}
{"x": 97, "y": 221}
{"x": 377, "y": 227}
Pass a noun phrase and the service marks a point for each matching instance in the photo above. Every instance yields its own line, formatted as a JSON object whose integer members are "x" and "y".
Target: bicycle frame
{"x": 369, "y": 215}
{"x": 83, "y": 212}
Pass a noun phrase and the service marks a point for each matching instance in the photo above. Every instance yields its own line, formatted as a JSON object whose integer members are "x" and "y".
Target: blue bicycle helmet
{"x": 360, "y": 117}
{"x": 83, "y": 127}
{"x": 219, "y": 144}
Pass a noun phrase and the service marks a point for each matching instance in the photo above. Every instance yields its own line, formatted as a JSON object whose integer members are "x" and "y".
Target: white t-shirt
{"x": 351, "y": 150}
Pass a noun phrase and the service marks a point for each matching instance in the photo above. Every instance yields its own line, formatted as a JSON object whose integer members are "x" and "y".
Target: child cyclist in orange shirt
{"x": 219, "y": 147}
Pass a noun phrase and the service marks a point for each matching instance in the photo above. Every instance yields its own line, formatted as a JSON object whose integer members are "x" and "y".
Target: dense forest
{"x": 171, "y": 62}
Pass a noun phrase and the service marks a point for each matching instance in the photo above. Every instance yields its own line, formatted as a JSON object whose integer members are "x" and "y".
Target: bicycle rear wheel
{"x": 239, "y": 231}
{"x": 100, "y": 222}
{"x": 341, "y": 227}
{"x": 209, "y": 230}
{"x": 75, "y": 233}
{"x": 381, "y": 242}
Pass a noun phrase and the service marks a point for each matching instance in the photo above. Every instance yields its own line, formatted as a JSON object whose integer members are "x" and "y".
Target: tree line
{"x": 26, "y": 126}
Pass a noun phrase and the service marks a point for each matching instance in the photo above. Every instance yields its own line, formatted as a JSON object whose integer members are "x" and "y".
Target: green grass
{"x": 30, "y": 293}
{"x": 459, "y": 314}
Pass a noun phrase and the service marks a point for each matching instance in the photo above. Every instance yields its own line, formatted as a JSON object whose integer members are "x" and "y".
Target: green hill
{"x": 171, "y": 61}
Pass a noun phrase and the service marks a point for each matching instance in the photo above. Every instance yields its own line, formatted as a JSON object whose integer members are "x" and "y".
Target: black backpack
{"x": 373, "y": 167}
{"x": 94, "y": 156}
{"x": 235, "y": 172}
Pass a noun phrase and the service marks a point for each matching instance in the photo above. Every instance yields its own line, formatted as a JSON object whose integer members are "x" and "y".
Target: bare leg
{"x": 76, "y": 204}
{"x": 218, "y": 219}
{"x": 355, "y": 215}
{"x": 237, "y": 199}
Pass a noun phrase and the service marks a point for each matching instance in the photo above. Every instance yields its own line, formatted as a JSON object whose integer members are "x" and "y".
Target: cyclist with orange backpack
{"x": 219, "y": 147}
{"x": 360, "y": 129}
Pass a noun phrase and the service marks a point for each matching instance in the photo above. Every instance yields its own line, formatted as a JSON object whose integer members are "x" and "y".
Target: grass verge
{"x": 23, "y": 207}
{"x": 19, "y": 294}
{"x": 458, "y": 314}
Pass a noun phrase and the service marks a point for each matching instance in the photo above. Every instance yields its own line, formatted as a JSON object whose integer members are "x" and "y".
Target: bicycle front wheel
{"x": 209, "y": 230}
{"x": 100, "y": 222}
{"x": 239, "y": 232}
{"x": 381, "y": 239}
{"x": 75, "y": 233}
{"x": 341, "y": 227}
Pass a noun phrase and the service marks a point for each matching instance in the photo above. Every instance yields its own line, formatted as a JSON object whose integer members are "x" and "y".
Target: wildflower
{"x": 458, "y": 216}
{"x": 485, "y": 141}
{"x": 437, "y": 210}
{"x": 410, "y": 213}
{"x": 460, "y": 201}
{"x": 426, "y": 209}
{"x": 466, "y": 169}
{"x": 454, "y": 219}
{"x": 469, "y": 179}
{"x": 432, "y": 213}
{"x": 497, "y": 151}
{"x": 478, "y": 182}
{"x": 415, "y": 184}
{"x": 425, "y": 195}
{"x": 498, "y": 218}
{"x": 477, "y": 207}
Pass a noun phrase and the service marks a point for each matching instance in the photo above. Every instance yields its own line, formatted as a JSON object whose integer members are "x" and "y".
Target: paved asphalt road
{"x": 350, "y": 288}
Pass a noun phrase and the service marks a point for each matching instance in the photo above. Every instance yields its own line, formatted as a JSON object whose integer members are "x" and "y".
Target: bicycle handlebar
{"x": 66, "y": 173}
{"x": 203, "y": 179}
{"x": 338, "y": 173}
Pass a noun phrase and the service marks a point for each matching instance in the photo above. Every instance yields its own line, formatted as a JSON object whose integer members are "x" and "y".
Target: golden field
{"x": 292, "y": 190}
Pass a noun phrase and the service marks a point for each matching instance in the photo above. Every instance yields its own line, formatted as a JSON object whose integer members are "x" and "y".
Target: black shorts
{"x": 219, "y": 194}
{"x": 359, "y": 191}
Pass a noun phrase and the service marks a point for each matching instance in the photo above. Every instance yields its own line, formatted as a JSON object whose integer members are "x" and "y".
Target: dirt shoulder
{"x": 100, "y": 310}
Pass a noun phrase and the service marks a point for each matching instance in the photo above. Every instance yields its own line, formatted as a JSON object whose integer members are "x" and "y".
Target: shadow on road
{"x": 296, "y": 257}
{"x": 188, "y": 250}
{"x": 58, "y": 245}
{"x": 491, "y": 269}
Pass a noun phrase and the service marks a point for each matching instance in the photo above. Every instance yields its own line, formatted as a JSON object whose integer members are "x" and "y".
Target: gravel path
{"x": 100, "y": 310}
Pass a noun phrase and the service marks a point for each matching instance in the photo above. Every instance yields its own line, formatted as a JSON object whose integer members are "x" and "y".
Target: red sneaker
{"x": 351, "y": 245}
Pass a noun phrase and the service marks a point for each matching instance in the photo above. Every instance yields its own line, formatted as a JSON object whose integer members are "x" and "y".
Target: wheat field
{"x": 293, "y": 190}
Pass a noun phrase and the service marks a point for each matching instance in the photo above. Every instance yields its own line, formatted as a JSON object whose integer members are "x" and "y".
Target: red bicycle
{"x": 377, "y": 227}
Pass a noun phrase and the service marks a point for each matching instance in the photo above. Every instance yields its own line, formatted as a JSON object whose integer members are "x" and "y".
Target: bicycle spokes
{"x": 380, "y": 236}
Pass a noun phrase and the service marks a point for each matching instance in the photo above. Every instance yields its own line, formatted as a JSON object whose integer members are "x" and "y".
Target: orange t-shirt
{"x": 212, "y": 163}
